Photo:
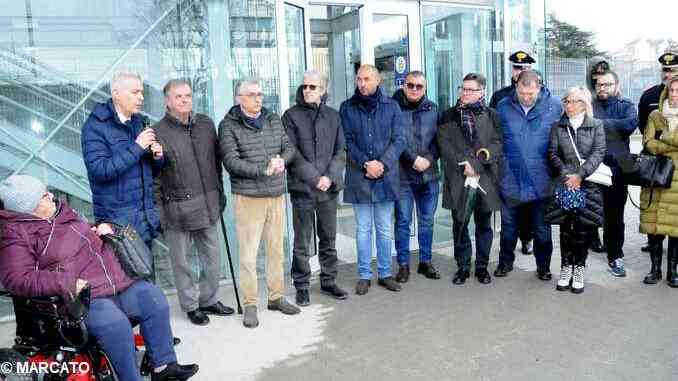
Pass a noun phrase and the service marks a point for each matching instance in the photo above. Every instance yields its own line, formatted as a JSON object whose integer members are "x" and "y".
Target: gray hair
{"x": 317, "y": 75}
{"x": 119, "y": 77}
{"x": 249, "y": 81}
{"x": 175, "y": 83}
{"x": 529, "y": 78}
{"x": 580, "y": 93}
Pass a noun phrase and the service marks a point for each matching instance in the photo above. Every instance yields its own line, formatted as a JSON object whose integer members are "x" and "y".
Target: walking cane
{"x": 230, "y": 264}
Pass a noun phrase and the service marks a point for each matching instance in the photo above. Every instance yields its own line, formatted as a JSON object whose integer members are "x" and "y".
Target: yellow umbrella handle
{"x": 485, "y": 151}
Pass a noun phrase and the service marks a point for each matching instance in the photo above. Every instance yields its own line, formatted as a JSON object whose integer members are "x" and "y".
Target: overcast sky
{"x": 617, "y": 22}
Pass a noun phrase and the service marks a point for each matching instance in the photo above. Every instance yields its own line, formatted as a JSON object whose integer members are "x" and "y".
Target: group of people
{"x": 382, "y": 151}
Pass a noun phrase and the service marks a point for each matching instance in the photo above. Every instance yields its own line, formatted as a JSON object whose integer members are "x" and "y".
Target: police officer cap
{"x": 669, "y": 60}
{"x": 521, "y": 58}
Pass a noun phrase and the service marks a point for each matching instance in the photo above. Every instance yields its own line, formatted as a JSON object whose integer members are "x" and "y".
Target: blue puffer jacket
{"x": 620, "y": 119}
{"x": 120, "y": 172}
{"x": 525, "y": 174}
{"x": 422, "y": 123}
{"x": 376, "y": 135}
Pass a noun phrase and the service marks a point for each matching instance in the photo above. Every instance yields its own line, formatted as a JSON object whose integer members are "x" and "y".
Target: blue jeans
{"x": 510, "y": 221}
{"x": 379, "y": 214}
{"x": 108, "y": 321}
{"x": 425, "y": 196}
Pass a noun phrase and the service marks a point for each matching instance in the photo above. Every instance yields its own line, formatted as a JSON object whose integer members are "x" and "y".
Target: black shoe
{"x": 544, "y": 274}
{"x": 281, "y": 304}
{"x": 363, "y": 286}
{"x": 217, "y": 309}
{"x": 503, "y": 270}
{"x": 526, "y": 247}
{"x": 645, "y": 248}
{"x": 334, "y": 291}
{"x": 483, "y": 276}
{"x": 198, "y": 317}
{"x": 390, "y": 284}
{"x": 175, "y": 372}
{"x": 427, "y": 269}
{"x": 176, "y": 341}
{"x": 403, "y": 274}
{"x": 460, "y": 276}
{"x": 303, "y": 298}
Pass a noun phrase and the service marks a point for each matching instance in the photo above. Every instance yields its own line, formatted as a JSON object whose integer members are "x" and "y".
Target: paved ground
{"x": 517, "y": 328}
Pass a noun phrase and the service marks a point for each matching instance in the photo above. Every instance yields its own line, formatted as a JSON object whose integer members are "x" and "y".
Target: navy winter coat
{"x": 120, "y": 172}
{"x": 376, "y": 135}
{"x": 421, "y": 123}
{"x": 525, "y": 172}
{"x": 619, "y": 119}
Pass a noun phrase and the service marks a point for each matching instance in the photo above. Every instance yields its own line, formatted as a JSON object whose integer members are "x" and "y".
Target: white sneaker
{"x": 565, "y": 278}
{"x": 578, "y": 280}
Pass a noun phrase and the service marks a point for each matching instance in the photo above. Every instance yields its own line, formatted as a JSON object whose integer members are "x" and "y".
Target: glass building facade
{"x": 56, "y": 59}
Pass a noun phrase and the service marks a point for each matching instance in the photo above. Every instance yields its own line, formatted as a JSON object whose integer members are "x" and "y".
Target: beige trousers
{"x": 260, "y": 218}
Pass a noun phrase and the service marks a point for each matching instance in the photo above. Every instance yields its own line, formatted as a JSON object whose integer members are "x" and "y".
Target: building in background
{"x": 56, "y": 59}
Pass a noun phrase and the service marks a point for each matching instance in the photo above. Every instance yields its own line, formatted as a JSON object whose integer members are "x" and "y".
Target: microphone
{"x": 146, "y": 124}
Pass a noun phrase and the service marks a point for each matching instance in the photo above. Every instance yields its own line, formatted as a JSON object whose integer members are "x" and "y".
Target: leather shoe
{"x": 363, "y": 286}
{"x": 390, "y": 284}
{"x": 483, "y": 276}
{"x": 645, "y": 248}
{"x": 282, "y": 305}
{"x": 427, "y": 269}
{"x": 217, "y": 309}
{"x": 460, "y": 276}
{"x": 403, "y": 274}
{"x": 174, "y": 372}
{"x": 198, "y": 317}
{"x": 544, "y": 274}
{"x": 334, "y": 291}
{"x": 303, "y": 298}
{"x": 503, "y": 270}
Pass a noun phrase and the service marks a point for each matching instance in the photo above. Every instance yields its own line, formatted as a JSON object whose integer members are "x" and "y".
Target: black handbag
{"x": 648, "y": 171}
{"x": 134, "y": 256}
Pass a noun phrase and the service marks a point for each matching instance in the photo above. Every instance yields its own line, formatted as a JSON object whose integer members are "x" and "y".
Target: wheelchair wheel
{"x": 9, "y": 360}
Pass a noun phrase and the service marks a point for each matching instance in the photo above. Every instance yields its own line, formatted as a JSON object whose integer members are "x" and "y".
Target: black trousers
{"x": 305, "y": 212}
{"x": 525, "y": 225}
{"x": 462, "y": 240}
{"x": 574, "y": 242}
{"x": 614, "y": 201}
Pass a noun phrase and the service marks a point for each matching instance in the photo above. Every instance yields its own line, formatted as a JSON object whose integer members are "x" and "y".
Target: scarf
{"x": 467, "y": 114}
{"x": 370, "y": 102}
{"x": 257, "y": 122}
{"x": 671, "y": 114}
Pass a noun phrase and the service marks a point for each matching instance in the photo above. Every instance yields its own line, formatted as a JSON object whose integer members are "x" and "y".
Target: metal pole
{"x": 230, "y": 263}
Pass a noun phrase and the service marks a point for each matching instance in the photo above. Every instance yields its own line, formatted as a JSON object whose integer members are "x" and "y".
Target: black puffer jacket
{"x": 590, "y": 139}
{"x": 189, "y": 192}
{"x": 317, "y": 135}
{"x": 248, "y": 149}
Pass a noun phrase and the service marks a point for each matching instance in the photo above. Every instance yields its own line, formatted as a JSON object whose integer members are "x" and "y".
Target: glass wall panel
{"x": 456, "y": 41}
{"x": 335, "y": 45}
{"x": 391, "y": 54}
{"x": 296, "y": 52}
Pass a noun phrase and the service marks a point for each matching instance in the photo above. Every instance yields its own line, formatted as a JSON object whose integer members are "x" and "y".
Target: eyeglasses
{"x": 608, "y": 85}
{"x": 572, "y": 101}
{"x": 413, "y": 86}
{"x": 252, "y": 95}
{"x": 468, "y": 89}
{"x": 311, "y": 87}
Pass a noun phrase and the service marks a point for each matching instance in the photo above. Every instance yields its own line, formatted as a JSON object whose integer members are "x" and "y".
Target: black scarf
{"x": 467, "y": 120}
{"x": 370, "y": 102}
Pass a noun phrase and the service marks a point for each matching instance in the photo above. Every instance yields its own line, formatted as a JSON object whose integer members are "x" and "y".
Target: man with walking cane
{"x": 190, "y": 198}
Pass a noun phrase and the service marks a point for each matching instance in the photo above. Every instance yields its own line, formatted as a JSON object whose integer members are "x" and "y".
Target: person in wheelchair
{"x": 48, "y": 249}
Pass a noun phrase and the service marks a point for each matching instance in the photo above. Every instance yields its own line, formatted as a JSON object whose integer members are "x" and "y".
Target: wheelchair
{"x": 52, "y": 344}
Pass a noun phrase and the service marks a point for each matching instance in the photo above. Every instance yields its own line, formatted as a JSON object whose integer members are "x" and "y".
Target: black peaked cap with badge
{"x": 669, "y": 60}
{"x": 521, "y": 58}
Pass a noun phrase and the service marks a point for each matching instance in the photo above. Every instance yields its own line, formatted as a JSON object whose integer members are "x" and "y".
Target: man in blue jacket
{"x": 375, "y": 138}
{"x": 121, "y": 158}
{"x": 526, "y": 119}
{"x": 418, "y": 176}
{"x": 620, "y": 120}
